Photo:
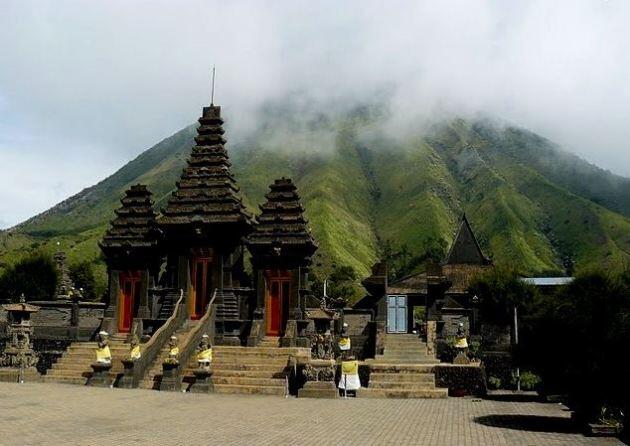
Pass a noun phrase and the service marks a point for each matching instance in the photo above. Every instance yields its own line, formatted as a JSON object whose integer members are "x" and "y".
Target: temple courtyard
{"x": 54, "y": 414}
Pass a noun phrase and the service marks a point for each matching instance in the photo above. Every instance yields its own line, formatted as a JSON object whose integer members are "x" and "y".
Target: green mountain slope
{"x": 364, "y": 191}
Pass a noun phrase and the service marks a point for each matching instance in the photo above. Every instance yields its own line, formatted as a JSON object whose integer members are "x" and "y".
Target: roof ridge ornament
{"x": 214, "y": 72}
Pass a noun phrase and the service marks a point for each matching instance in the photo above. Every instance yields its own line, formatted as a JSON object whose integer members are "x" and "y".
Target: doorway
{"x": 129, "y": 282}
{"x": 397, "y": 314}
{"x": 201, "y": 275}
{"x": 277, "y": 301}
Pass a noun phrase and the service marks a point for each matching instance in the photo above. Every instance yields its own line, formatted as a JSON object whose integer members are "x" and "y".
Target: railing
{"x": 151, "y": 349}
{"x": 204, "y": 326}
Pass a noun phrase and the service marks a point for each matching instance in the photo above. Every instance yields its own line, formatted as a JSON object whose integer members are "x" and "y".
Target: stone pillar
{"x": 431, "y": 337}
{"x": 114, "y": 291}
{"x": 294, "y": 296}
{"x": 126, "y": 381}
{"x": 203, "y": 381}
{"x": 170, "y": 377}
{"x": 143, "y": 309}
{"x": 320, "y": 379}
{"x": 100, "y": 375}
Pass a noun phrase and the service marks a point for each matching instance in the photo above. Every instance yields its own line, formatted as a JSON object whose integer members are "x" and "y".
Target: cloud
{"x": 95, "y": 83}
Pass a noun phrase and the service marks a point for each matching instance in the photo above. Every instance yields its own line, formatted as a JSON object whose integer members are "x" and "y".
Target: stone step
{"x": 400, "y": 368}
{"x": 402, "y": 385}
{"x": 248, "y": 381}
{"x": 300, "y": 351}
{"x": 409, "y": 349}
{"x": 401, "y": 377}
{"x": 249, "y": 390}
{"x": 83, "y": 375}
{"x": 278, "y": 362}
{"x": 247, "y": 373}
{"x": 77, "y": 369}
{"x": 64, "y": 380}
{"x": 218, "y": 367}
{"x": 405, "y": 361}
{"x": 391, "y": 393}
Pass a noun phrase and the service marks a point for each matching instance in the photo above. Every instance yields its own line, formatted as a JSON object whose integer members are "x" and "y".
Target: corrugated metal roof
{"x": 547, "y": 281}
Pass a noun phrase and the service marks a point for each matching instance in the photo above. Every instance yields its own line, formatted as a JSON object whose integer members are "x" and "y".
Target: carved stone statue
{"x": 103, "y": 354}
{"x": 204, "y": 352}
{"x": 134, "y": 349}
{"x": 173, "y": 351}
{"x": 19, "y": 351}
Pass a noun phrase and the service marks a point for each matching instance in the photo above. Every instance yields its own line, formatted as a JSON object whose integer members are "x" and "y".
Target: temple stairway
{"x": 250, "y": 370}
{"x": 404, "y": 370}
{"x": 269, "y": 341}
{"x": 154, "y": 376}
{"x": 74, "y": 365}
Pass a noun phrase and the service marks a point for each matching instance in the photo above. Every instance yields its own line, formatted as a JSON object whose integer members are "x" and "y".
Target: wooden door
{"x": 277, "y": 301}
{"x": 201, "y": 286}
{"x": 397, "y": 314}
{"x": 129, "y": 283}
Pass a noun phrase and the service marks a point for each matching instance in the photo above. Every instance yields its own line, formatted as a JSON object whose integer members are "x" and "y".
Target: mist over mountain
{"x": 367, "y": 186}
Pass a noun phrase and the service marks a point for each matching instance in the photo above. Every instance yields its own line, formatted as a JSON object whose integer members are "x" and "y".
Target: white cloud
{"x": 95, "y": 83}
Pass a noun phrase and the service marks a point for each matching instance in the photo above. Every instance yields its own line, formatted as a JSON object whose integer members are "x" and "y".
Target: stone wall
{"x": 362, "y": 331}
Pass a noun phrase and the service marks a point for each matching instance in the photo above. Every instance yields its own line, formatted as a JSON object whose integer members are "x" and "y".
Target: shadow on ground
{"x": 534, "y": 423}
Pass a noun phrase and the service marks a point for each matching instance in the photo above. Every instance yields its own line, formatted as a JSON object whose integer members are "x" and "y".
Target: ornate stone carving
{"x": 320, "y": 370}
{"x": 19, "y": 351}
{"x": 322, "y": 346}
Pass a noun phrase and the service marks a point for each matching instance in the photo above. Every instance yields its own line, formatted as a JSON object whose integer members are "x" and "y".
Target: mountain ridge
{"x": 367, "y": 192}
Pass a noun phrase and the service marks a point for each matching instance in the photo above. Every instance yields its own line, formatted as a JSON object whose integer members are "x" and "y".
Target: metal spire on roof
{"x": 214, "y": 70}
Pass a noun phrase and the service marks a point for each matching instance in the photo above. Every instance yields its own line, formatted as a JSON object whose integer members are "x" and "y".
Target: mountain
{"x": 532, "y": 205}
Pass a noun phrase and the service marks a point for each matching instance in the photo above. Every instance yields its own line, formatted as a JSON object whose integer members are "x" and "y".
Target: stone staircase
{"x": 250, "y": 370}
{"x": 269, "y": 341}
{"x": 153, "y": 377}
{"x": 168, "y": 304}
{"x": 404, "y": 370}
{"x": 74, "y": 365}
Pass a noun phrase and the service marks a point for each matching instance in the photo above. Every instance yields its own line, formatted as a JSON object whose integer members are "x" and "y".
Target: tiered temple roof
{"x": 134, "y": 226}
{"x": 465, "y": 248}
{"x": 281, "y": 227}
{"x": 207, "y": 193}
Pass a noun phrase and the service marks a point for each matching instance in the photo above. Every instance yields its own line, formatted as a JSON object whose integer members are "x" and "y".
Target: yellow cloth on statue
{"x": 135, "y": 352}
{"x": 349, "y": 375}
{"x": 174, "y": 351}
{"x": 205, "y": 355}
{"x": 103, "y": 355}
{"x": 344, "y": 343}
{"x": 350, "y": 367}
{"x": 461, "y": 343}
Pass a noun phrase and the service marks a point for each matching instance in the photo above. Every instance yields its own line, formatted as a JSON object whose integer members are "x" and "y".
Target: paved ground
{"x": 55, "y": 414}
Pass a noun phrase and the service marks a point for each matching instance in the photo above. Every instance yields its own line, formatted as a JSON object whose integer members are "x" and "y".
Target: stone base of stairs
{"x": 74, "y": 366}
{"x": 404, "y": 370}
{"x": 402, "y": 393}
{"x": 319, "y": 389}
{"x": 249, "y": 370}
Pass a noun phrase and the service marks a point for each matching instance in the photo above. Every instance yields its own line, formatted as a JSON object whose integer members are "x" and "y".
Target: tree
{"x": 341, "y": 286}
{"x": 34, "y": 276}
{"x": 500, "y": 290}
{"x": 580, "y": 336}
{"x": 82, "y": 274}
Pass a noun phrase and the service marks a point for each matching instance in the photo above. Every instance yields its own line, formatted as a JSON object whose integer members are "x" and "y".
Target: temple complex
{"x": 179, "y": 276}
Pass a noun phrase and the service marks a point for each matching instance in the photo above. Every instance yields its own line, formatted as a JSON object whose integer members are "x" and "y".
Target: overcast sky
{"x": 86, "y": 86}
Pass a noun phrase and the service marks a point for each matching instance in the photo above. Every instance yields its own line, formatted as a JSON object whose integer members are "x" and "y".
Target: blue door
{"x": 397, "y": 314}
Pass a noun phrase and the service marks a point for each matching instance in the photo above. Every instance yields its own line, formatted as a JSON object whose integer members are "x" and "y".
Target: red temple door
{"x": 201, "y": 284}
{"x": 278, "y": 289}
{"x": 129, "y": 292}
